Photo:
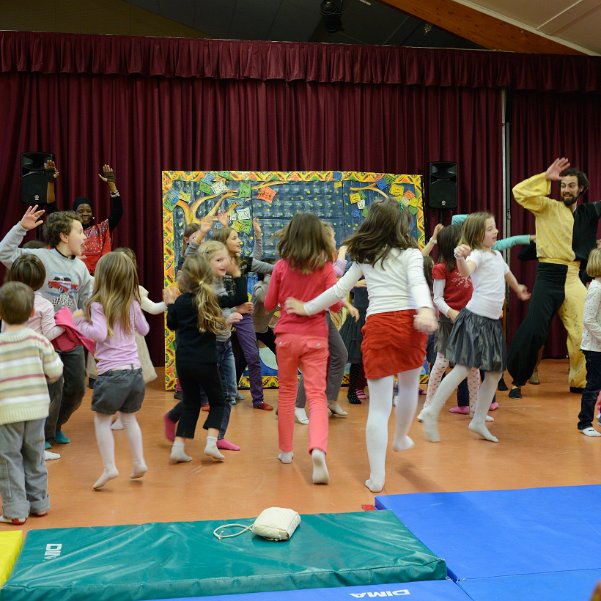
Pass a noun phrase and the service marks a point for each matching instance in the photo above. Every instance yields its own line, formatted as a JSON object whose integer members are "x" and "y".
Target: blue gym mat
{"x": 486, "y": 534}
{"x": 556, "y": 586}
{"x": 435, "y": 590}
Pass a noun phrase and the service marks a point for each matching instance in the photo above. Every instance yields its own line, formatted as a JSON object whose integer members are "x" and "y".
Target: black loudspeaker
{"x": 442, "y": 185}
{"x": 34, "y": 183}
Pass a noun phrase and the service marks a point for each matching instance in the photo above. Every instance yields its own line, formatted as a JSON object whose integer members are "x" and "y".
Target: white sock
{"x": 376, "y": 429}
{"x": 485, "y": 395}
{"x": 178, "y": 453}
{"x": 430, "y": 414}
{"x": 300, "y": 414}
{"x": 405, "y": 409}
{"x": 211, "y": 449}
{"x": 320, "y": 469}
{"x": 106, "y": 446}
{"x": 286, "y": 457}
{"x": 134, "y": 439}
{"x": 117, "y": 424}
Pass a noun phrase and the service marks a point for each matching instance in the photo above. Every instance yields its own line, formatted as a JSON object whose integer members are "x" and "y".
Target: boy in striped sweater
{"x": 27, "y": 361}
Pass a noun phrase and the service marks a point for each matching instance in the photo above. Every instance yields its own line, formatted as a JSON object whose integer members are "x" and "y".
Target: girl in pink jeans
{"x": 304, "y": 271}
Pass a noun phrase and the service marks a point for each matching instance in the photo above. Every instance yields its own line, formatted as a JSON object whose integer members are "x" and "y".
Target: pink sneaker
{"x": 361, "y": 394}
{"x": 494, "y": 406}
{"x": 226, "y": 445}
{"x": 461, "y": 410}
{"x": 169, "y": 428}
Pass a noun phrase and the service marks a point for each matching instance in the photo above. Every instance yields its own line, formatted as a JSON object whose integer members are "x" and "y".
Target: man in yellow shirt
{"x": 566, "y": 232}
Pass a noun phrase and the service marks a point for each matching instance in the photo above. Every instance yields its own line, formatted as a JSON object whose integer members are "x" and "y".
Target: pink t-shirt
{"x": 286, "y": 282}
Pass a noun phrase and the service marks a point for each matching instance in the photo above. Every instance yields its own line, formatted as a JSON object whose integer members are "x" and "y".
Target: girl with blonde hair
{"x": 111, "y": 318}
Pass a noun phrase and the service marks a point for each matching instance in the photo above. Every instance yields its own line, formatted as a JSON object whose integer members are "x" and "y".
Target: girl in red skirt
{"x": 399, "y": 317}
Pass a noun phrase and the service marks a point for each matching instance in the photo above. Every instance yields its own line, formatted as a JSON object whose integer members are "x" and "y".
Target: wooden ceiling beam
{"x": 478, "y": 27}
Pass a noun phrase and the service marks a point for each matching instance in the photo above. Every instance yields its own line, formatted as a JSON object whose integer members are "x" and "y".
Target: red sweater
{"x": 287, "y": 282}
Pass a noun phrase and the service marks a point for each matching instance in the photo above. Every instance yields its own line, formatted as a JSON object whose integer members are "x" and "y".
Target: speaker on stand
{"x": 442, "y": 186}
{"x": 34, "y": 183}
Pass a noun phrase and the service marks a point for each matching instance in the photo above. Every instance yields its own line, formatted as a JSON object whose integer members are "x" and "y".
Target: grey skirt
{"x": 445, "y": 325}
{"x": 477, "y": 341}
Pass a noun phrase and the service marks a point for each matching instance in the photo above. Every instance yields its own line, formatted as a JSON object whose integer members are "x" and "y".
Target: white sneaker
{"x": 50, "y": 456}
{"x": 590, "y": 431}
{"x": 300, "y": 415}
{"x": 337, "y": 410}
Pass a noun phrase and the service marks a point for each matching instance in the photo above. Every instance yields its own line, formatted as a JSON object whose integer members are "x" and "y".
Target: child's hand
{"x": 295, "y": 306}
{"x": 233, "y": 318}
{"x": 170, "y": 295}
{"x": 436, "y": 231}
{"x": 257, "y": 228}
{"x": 463, "y": 250}
{"x": 353, "y": 312}
{"x": 224, "y": 218}
{"x": 31, "y": 218}
{"x": 522, "y": 292}
{"x": 425, "y": 320}
{"x": 245, "y": 308}
{"x": 452, "y": 315}
{"x": 361, "y": 284}
{"x": 77, "y": 314}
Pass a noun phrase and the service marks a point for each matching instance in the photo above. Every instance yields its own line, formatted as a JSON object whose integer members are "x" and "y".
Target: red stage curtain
{"x": 146, "y": 104}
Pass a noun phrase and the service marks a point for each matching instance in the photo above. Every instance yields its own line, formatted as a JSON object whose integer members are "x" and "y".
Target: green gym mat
{"x": 181, "y": 559}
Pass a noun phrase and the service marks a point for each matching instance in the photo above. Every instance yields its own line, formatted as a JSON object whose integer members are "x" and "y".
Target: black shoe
{"x": 91, "y": 382}
{"x": 502, "y": 386}
{"x": 576, "y": 390}
{"x": 515, "y": 393}
{"x": 353, "y": 399}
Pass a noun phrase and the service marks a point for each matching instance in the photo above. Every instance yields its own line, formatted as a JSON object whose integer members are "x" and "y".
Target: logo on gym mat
{"x": 370, "y": 595}
{"x": 53, "y": 551}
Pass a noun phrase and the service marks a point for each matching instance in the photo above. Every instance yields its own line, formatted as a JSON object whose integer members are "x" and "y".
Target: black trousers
{"x": 593, "y": 386}
{"x": 547, "y": 297}
{"x": 194, "y": 378}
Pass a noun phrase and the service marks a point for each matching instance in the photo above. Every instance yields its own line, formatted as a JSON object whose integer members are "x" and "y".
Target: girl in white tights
{"x": 399, "y": 316}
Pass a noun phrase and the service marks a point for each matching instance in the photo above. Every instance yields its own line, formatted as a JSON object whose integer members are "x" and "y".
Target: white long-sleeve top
{"x": 591, "y": 333}
{"x": 397, "y": 285}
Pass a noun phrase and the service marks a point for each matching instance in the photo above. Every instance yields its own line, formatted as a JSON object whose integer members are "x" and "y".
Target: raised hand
{"x": 463, "y": 250}
{"x": 51, "y": 170}
{"x": 223, "y": 218}
{"x": 257, "y": 227}
{"x": 170, "y": 295}
{"x": 436, "y": 231}
{"x": 31, "y": 218}
{"x": 107, "y": 175}
{"x": 555, "y": 168}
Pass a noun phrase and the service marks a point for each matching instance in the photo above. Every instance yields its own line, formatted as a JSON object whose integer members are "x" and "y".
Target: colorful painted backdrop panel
{"x": 341, "y": 198}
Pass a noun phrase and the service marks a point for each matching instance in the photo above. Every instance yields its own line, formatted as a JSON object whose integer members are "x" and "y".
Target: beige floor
{"x": 539, "y": 446}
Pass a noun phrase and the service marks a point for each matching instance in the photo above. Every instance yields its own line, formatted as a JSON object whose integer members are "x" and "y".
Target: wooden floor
{"x": 539, "y": 446}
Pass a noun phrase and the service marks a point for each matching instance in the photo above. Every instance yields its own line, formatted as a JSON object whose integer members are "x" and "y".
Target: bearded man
{"x": 566, "y": 232}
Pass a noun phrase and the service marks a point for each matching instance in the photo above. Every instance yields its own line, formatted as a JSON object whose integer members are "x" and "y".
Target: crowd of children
{"x": 52, "y": 309}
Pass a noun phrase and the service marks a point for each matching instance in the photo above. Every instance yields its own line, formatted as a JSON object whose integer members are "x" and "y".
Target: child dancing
{"x": 196, "y": 318}
{"x": 476, "y": 340}
{"x": 111, "y": 318}
{"x": 591, "y": 346}
{"x": 399, "y": 316}
{"x": 305, "y": 270}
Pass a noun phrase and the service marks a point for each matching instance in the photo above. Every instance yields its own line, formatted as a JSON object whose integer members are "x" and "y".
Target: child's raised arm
{"x": 9, "y": 245}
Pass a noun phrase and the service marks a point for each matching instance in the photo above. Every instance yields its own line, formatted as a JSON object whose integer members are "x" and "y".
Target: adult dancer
{"x": 565, "y": 234}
